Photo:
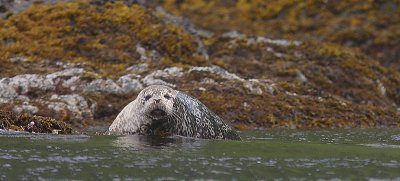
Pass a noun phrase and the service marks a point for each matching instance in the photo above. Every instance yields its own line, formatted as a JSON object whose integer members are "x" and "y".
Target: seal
{"x": 159, "y": 110}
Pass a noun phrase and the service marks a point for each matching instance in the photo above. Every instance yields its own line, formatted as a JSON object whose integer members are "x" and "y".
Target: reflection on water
{"x": 381, "y": 145}
{"x": 143, "y": 142}
{"x": 370, "y": 154}
{"x": 396, "y": 137}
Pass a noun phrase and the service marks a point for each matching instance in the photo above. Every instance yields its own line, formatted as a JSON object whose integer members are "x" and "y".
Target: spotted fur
{"x": 184, "y": 115}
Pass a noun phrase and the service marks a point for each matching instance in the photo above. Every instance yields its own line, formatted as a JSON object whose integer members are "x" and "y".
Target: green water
{"x": 353, "y": 154}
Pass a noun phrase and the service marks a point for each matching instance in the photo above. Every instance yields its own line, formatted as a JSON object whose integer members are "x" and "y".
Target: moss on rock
{"x": 104, "y": 37}
{"x": 37, "y": 124}
{"x": 327, "y": 68}
{"x": 281, "y": 110}
{"x": 372, "y": 26}
{"x": 317, "y": 83}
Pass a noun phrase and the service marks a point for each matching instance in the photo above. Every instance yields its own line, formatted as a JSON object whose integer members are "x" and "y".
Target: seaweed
{"x": 36, "y": 124}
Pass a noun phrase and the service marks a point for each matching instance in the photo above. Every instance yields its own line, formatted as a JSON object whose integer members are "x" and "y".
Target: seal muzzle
{"x": 158, "y": 113}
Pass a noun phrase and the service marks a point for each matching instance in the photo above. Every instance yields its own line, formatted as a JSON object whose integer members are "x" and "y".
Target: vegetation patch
{"x": 37, "y": 124}
{"x": 102, "y": 36}
{"x": 372, "y": 26}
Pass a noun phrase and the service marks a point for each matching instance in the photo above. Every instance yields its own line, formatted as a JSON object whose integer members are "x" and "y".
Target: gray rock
{"x": 381, "y": 88}
{"x": 74, "y": 103}
{"x": 7, "y": 93}
{"x": 258, "y": 87}
{"x": 125, "y": 84}
{"x": 26, "y": 109}
{"x": 18, "y": 59}
{"x": 73, "y": 83}
{"x": 129, "y": 83}
{"x": 255, "y": 86}
{"x": 259, "y": 39}
{"x": 138, "y": 69}
{"x": 23, "y": 83}
{"x": 11, "y": 88}
{"x": 217, "y": 70}
{"x": 301, "y": 77}
{"x": 233, "y": 35}
{"x": 16, "y": 88}
{"x": 281, "y": 42}
{"x": 142, "y": 52}
{"x": 155, "y": 77}
{"x": 150, "y": 80}
{"x": 101, "y": 85}
{"x": 15, "y": 6}
{"x": 66, "y": 73}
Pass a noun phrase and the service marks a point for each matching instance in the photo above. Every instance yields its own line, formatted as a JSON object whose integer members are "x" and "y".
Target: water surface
{"x": 279, "y": 154}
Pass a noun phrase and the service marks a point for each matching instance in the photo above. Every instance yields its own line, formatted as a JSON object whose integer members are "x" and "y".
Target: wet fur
{"x": 185, "y": 116}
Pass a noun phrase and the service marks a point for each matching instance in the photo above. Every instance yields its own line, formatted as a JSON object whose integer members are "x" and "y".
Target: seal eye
{"x": 147, "y": 97}
{"x": 167, "y": 96}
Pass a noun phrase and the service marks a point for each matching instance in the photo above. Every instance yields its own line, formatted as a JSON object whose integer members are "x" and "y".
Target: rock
{"x": 258, "y": 39}
{"x": 26, "y": 108}
{"x": 66, "y": 73}
{"x": 36, "y": 124}
{"x": 74, "y": 103}
{"x": 23, "y": 83}
{"x": 129, "y": 83}
{"x": 258, "y": 87}
{"x": 142, "y": 52}
{"x": 7, "y": 93}
{"x": 233, "y": 35}
{"x": 217, "y": 70}
{"x": 281, "y": 42}
{"x": 301, "y": 77}
{"x": 270, "y": 81}
{"x": 10, "y": 7}
{"x": 10, "y": 88}
{"x": 138, "y": 69}
{"x": 18, "y": 59}
{"x": 73, "y": 83}
{"x": 125, "y": 84}
{"x": 154, "y": 77}
{"x": 255, "y": 86}
{"x": 189, "y": 27}
{"x": 104, "y": 86}
{"x": 183, "y": 22}
{"x": 381, "y": 88}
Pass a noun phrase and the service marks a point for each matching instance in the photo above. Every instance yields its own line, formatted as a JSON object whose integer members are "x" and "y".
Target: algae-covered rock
{"x": 37, "y": 124}
{"x": 256, "y": 65}
{"x": 372, "y": 26}
{"x": 321, "y": 67}
{"x": 103, "y": 36}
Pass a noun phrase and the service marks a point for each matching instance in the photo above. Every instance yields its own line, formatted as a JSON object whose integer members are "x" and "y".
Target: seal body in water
{"x": 162, "y": 111}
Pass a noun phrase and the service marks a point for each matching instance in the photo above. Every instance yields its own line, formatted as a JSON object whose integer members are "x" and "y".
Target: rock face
{"x": 86, "y": 60}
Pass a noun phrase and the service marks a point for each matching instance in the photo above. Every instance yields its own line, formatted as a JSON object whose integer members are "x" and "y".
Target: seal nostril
{"x": 157, "y": 100}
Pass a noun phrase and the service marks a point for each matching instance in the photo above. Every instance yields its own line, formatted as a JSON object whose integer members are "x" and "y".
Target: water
{"x": 353, "y": 154}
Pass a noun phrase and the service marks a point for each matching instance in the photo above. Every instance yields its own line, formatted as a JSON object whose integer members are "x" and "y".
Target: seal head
{"x": 157, "y": 102}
